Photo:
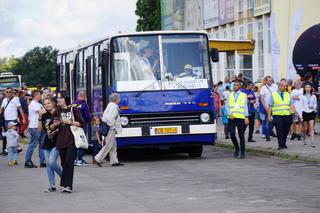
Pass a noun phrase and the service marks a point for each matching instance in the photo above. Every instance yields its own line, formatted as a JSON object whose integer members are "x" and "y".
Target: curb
{"x": 270, "y": 152}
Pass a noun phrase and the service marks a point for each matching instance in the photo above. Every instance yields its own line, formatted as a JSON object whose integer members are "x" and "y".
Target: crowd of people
{"x": 288, "y": 107}
{"x": 49, "y": 116}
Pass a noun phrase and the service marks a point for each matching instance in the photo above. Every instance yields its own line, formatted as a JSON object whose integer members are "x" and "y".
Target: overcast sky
{"x": 63, "y": 24}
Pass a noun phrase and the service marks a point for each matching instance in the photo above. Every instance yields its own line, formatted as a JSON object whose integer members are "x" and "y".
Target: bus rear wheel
{"x": 195, "y": 151}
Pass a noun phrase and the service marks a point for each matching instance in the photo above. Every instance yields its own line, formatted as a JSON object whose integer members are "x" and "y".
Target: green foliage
{"x": 6, "y": 65}
{"x": 149, "y": 14}
{"x": 37, "y": 66}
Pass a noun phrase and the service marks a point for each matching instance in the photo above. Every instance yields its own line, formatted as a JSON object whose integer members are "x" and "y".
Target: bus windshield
{"x": 9, "y": 81}
{"x": 160, "y": 62}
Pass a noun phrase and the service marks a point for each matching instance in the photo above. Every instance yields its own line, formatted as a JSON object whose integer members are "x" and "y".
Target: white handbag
{"x": 80, "y": 137}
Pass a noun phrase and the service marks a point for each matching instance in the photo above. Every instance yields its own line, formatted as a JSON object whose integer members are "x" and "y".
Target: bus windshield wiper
{"x": 143, "y": 90}
{"x": 182, "y": 86}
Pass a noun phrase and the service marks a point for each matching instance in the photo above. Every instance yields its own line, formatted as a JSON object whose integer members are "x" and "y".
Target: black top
{"x": 65, "y": 136}
{"x": 48, "y": 143}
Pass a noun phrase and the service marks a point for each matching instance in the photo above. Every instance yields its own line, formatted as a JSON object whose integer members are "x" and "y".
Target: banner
{"x": 261, "y": 7}
{"x": 275, "y": 48}
{"x": 172, "y": 14}
{"x": 193, "y": 16}
{"x": 226, "y": 11}
{"x": 166, "y": 14}
{"x": 297, "y": 19}
{"x": 210, "y": 13}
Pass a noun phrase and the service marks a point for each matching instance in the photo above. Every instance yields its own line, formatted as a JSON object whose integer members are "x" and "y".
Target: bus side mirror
{"x": 214, "y": 54}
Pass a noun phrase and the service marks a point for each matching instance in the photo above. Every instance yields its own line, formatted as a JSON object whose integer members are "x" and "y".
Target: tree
{"x": 37, "y": 66}
{"x": 149, "y": 14}
{"x": 6, "y": 65}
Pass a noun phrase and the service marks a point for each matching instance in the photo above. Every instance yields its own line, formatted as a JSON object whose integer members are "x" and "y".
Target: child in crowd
{"x": 256, "y": 107}
{"x": 12, "y": 143}
{"x": 97, "y": 138}
{"x": 225, "y": 120}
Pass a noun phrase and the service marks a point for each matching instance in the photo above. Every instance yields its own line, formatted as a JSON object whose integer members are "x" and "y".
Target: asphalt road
{"x": 158, "y": 183}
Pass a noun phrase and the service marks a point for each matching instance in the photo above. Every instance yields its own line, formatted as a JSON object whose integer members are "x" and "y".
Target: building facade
{"x": 274, "y": 25}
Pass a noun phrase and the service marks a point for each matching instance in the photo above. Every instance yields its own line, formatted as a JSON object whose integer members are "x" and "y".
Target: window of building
{"x": 240, "y": 8}
{"x": 246, "y": 66}
{"x": 269, "y": 36}
{"x": 241, "y": 32}
{"x": 233, "y": 33}
{"x": 230, "y": 66}
{"x": 250, "y": 30}
{"x": 249, "y": 3}
{"x": 260, "y": 49}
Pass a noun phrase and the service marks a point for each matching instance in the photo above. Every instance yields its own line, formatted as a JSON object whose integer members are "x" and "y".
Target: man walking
{"x": 280, "y": 106}
{"x": 112, "y": 118}
{"x": 238, "y": 117}
{"x": 251, "y": 101}
{"x": 9, "y": 107}
{"x": 35, "y": 110}
{"x": 82, "y": 105}
{"x": 266, "y": 92}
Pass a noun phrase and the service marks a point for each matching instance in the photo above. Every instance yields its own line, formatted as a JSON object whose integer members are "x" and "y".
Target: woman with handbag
{"x": 63, "y": 119}
{"x": 49, "y": 145}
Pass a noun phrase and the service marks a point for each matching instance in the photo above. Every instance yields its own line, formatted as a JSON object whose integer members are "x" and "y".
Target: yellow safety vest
{"x": 281, "y": 107}
{"x": 237, "y": 107}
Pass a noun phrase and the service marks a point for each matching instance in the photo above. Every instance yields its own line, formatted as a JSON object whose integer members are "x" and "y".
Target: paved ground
{"x": 295, "y": 148}
{"x": 170, "y": 183}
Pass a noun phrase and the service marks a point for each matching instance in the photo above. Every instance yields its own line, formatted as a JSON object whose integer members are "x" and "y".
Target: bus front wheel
{"x": 195, "y": 151}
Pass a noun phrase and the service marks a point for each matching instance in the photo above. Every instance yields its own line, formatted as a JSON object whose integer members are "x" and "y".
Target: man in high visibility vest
{"x": 280, "y": 107}
{"x": 237, "y": 109}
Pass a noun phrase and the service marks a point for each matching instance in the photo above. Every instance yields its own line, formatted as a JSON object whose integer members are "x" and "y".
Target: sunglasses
{"x": 8, "y": 91}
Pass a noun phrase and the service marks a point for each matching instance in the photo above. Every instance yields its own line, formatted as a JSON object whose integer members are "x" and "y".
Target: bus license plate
{"x": 167, "y": 130}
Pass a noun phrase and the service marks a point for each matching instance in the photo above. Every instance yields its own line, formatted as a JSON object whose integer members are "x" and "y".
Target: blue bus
{"x": 165, "y": 82}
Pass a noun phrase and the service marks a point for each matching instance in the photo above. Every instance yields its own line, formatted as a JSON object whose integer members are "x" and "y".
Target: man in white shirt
{"x": 265, "y": 93}
{"x": 112, "y": 118}
{"x": 35, "y": 110}
{"x": 148, "y": 70}
{"x": 9, "y": 107}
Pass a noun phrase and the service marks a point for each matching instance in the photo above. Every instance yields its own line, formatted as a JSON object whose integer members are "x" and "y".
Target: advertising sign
{"x": 193, "y": 17}
{"x": 261, "y": 7}
{"x": 306, "y": 57}
{"x": 226, "y": 11}
{"x": 210, "y": 13}
{"x": 166, "y": 14}
{"x": 172, "y": 14}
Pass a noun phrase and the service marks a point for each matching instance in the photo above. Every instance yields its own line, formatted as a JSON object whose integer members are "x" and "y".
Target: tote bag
{"x": 80, "y": 137}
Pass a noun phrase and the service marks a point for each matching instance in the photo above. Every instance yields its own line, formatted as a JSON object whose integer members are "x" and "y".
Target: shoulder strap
{"x": 7, "y": 104}
{"x": 268, "y": 89}
{"x": 72, "y": 115}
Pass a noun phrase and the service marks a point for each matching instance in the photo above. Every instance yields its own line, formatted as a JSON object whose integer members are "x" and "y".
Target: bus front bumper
{"x": 156, "y": 131}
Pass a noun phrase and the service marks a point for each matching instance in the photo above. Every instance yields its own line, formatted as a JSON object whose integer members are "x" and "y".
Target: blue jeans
{"x": 12, "y": 153}
{"x": 267, "y": 127}
{"x": 41, "y": 151}
{"x": 34, "y": 141}
{"x": 81, "y": 152}
{"x": 51, "y": 157}
{"x": 96, "y": 147}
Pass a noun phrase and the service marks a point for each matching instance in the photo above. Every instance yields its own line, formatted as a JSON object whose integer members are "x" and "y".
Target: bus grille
{"x": 164, "y": 119}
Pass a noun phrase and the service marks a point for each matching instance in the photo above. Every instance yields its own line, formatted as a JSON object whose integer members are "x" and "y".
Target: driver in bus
{"x": 149, "y": 71}
{"x": 187, "y": 72}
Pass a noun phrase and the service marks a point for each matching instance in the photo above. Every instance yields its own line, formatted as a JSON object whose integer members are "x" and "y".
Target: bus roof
{"x": 88, "y": 44}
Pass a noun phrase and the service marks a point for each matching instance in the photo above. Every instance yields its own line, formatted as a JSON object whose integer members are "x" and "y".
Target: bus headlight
{"x": 124, "y": 121}
{"x": 204, "y": 117}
